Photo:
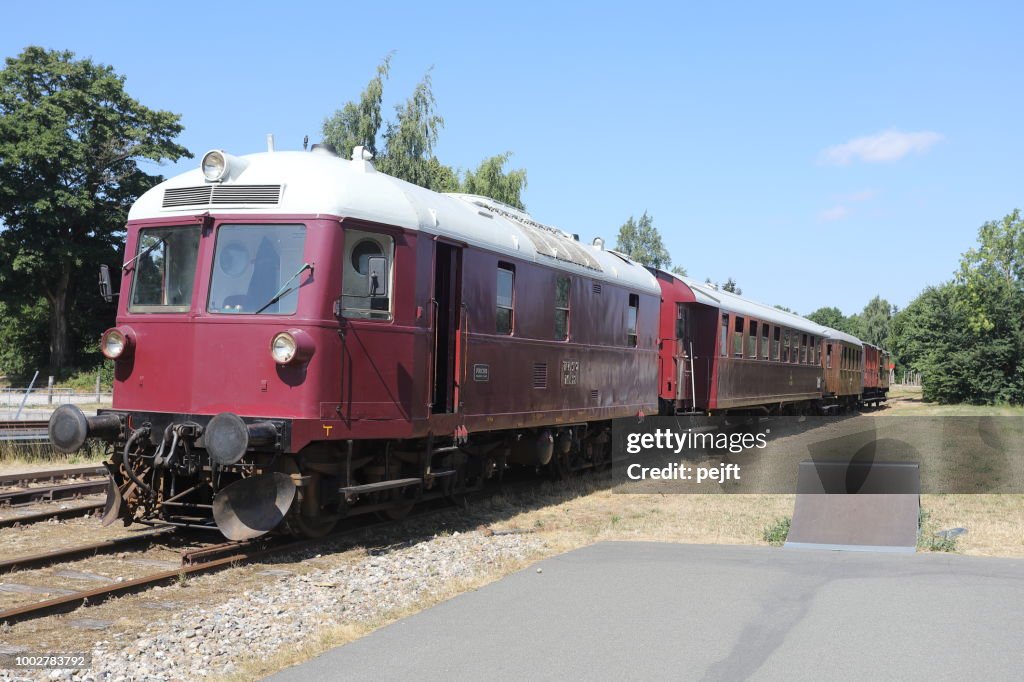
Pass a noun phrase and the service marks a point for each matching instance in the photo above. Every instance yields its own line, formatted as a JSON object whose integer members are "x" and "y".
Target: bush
{"x": 776, "y": 533}
{"x": 85, "y": 380}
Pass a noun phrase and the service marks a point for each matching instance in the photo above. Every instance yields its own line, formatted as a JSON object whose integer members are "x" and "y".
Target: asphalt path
{"x": 625, "y": 610}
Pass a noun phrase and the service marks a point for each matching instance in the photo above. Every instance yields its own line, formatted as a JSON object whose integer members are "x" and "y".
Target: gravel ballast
{"x": 285, "y": 609}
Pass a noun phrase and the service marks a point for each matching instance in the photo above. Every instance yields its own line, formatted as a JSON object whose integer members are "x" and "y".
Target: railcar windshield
{"x": 253, "y": 264}
{"x": 165, "y": 270}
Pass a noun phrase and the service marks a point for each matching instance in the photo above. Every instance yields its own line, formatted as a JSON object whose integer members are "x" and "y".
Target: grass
{"x": 14, "y": 455}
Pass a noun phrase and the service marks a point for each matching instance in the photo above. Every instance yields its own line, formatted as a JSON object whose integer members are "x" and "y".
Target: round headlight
{"x": 214, "y": 165}
{"x": 283, "y": 348}
{"x": 113, "y": 343}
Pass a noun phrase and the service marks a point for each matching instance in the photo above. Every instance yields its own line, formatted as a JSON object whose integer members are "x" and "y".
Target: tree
{"x": 410, "y": 138}
{"x": 491, "y": 181}
{"x": 874, "y": 321}
{"x": 833, "y": 317}
{"x": 730, "y": 286}
{"x": 406, "y": 148}
{"x": 358, "y": 123}
{"x": 679, "y": 270}
{"x": 71, "y": 140}
{"x": 784, "y": 309}
{"x": 641, "y": 241}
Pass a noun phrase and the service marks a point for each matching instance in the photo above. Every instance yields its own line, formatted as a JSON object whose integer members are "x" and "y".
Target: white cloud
{"x": 890, "y": 145}
{"x": 832, "y": 214}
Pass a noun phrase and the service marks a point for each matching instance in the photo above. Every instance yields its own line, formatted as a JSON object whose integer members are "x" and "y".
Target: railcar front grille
{"x": 540, "y": 375}
{"x": 219, "y": 195}
{"x": 187, "y": 196}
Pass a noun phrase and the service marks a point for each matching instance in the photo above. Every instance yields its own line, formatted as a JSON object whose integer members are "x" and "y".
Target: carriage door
{"x": 683, "y": 359}
{"x": 447, "y": 304}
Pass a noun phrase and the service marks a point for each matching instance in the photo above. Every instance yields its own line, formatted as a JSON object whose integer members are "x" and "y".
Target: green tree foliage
{"x": 358, "y": 123}
{"x": 874, "y": 321}
{"x": 406, "y": 147}
{"x": 730, "y": 286}
{"x": 679, "y": 270}
{"x": 71, "y": 140}
{"x": 490, "y": 180}
{"x": 641, "y": 241}
{"x": 966, "y": 337}
{"x": 784, "y": 309}
{"x": 834, "y": 318}
{"x": 410, "y": 138}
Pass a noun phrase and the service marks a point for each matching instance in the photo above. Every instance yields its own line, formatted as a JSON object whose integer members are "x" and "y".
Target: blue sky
{"x": 819, "y": 155}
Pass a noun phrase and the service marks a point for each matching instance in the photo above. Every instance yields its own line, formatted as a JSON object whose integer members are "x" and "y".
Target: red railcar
{"x": 876, "y": 375}
{"x": 721, "y": 352}
{"x": 300, "y": 337}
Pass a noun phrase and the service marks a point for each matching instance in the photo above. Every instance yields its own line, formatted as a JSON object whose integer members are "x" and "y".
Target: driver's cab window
{"x": 366, "y": 285}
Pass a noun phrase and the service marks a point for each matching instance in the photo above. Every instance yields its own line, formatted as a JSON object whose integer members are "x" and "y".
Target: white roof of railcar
{"x": 322, "y": 183}
{"x": 729, "y": 302}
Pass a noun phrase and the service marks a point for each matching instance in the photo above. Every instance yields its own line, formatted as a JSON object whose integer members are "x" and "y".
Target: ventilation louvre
{"x": 187, "y": 196}
{"x": 540, "y": 375}
{"x": 595, "y": 397}
{"x": 219, "y": 195}
{"x": 596, "y": 287}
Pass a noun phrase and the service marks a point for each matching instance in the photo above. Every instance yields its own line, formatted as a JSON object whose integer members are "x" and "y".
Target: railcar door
{"x": 448, "y": 322}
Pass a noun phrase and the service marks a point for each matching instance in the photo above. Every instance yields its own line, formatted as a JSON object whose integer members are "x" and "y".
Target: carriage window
{"x": 817, "y": 350}
{"x": 764, "y": 341}
{"x": 723, "y": 344}
{"x": 258, "y": 269}
{"x": 366, "y": 284}
{"x": 680, "y": 321}
{"x": 503, "y": 301}
{"x": 561, "y": 308}
{"x": 634, "y": 305}
{"x": 737, "y": 337}
{"x": 776, "y": 342}
{"x": 752, "y": 340}
{"x": 165, "y": 270}
{"x": 785, "y": 346}
{"x": 828, "y": 356}
{"x": 803, "y": 348}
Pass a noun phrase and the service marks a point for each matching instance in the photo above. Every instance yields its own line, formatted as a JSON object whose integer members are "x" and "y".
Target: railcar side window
{"x": 503, "y": 302}
{"x": 776, "y": 343}
{"x": 165, "y": 270}
{"x": 737, "y": 337}
{"x": 634, "y": 305}
{"x": 723, "y": 346}
{"x": 785, "y": 347}
{"x": 765, "y": 335}
{"x": 828, "y": 356}
{"x": 561, "y": 308}
{"x": 752, "y": 340}
{"x": 366, "y": 284}
{"x": 803, "y": 348}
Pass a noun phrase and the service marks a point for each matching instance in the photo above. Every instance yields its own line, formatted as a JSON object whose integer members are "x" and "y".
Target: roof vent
{"x": 324, "y": 148}
{"x": 598, "y": 243}
{"x": 361, "y": 153}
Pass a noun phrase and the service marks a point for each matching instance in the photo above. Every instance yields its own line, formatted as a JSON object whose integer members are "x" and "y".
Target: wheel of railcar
{"x": 306, "y": 518}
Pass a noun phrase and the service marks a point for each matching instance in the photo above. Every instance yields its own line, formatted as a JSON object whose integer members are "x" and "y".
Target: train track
{"x": 54, "y": 485}
{"x": 206, "y": 559}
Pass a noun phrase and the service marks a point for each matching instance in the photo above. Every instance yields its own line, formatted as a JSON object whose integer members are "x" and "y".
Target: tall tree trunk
{"x": 59, "y": 342}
